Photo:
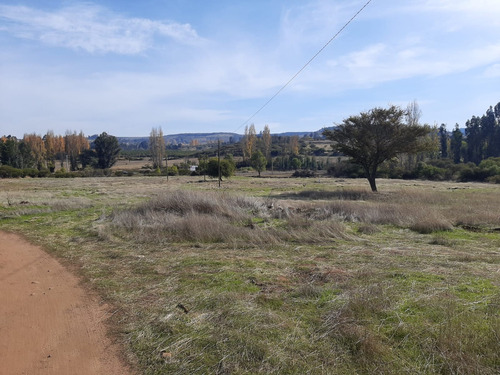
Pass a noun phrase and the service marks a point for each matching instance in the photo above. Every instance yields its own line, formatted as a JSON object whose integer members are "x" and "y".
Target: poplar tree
{"x": 249, "y": 141}
{"x": 157, "y": 147}
{"x": 266, "y": 140}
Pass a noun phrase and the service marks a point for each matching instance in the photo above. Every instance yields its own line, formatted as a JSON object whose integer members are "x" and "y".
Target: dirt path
{"x": 48, "y": 323}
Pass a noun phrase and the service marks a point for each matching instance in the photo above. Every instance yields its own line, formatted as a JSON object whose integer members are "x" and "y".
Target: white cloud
{"x": 91, "y": 28}
{"x": 380, "y": 62}
{"x": 467, "y": 6}
{"x": 457, "y": 15}
{"x": 210, "y": 84}
{"x": 493, "y": 71}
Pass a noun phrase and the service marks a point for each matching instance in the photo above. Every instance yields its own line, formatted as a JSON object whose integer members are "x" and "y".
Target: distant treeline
{"x": 470, "y": 154}
{"x": 44, "y": 152}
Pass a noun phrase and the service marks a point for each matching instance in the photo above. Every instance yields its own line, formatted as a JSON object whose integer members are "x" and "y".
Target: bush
{"x": 227, "y": 168}
{"x": 305, "y": 173}
{"x": 44, "y": 172}
{"x": 471, "y": 172}
{"x": 494, "y": 179}
{"x": 172, "y": 170}
{"x": 61, "y": 173}
{"x": 346, "y": 169}
{"x": 30, "y": 172}
{"x": 485, "y": 171}
{"x": 6, "y": 171}
{"x": 430, "y": 172}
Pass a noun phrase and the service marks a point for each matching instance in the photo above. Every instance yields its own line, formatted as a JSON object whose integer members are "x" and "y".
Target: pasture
{"x": 279, "y": 275}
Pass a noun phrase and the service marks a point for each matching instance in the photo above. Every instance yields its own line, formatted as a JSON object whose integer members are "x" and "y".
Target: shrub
{"x": 44, "y": 172}
{"x": 304, "y": 173}
{"x": 494, "y": 179}
{"x": 430, "y": 172}
{"x": 346, "y": 169}
{"x": 172, "y": 171}
{"x": 6, "y": 171}
{"x": 30, "y": 172}
{"x": 473, "y": 173}
{"x": 227, "y": 168}
{"x": 61, "y": 173}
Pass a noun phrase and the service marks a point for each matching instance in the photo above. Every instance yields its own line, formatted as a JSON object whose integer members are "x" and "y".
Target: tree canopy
{"x": 258, "y": 161}
{"x": 227, "y": 167}
{"x": 107, "y": 150}
{"x": 375, "y": 136}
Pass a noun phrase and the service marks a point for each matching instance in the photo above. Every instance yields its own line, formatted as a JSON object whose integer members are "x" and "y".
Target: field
{"x": 280, "y": 275}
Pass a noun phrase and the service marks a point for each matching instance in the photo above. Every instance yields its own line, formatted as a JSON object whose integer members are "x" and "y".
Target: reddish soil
{"x": 48, "y": 323}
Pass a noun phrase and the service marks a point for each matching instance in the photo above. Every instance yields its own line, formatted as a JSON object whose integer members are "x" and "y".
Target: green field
{"x": 280, "y": 275}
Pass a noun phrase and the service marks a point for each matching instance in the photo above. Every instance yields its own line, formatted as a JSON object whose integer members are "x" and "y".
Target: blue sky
{"x": 206, "y": 66}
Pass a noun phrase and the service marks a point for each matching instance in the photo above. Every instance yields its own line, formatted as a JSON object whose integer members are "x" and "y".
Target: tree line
{"x": 469, "y": 155}
{"x": 480, "y": 141}
{"x": 37, "y": 155}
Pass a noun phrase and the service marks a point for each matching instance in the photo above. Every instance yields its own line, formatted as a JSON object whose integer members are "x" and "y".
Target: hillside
{"x": 141, "y": 143}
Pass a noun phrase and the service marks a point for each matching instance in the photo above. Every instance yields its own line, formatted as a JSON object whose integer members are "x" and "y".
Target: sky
{"x": 191, "y": 66}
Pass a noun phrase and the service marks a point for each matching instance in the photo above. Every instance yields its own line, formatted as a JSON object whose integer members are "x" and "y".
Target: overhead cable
{"x": 305, "y": 65}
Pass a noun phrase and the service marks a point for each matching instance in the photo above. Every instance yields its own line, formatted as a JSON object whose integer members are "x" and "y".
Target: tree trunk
{"x": 373, "y": 185}
{"x": 370, "y": 175}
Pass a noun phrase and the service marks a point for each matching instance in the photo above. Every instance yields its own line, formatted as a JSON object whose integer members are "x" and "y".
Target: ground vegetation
{"x": 279, "y": 276}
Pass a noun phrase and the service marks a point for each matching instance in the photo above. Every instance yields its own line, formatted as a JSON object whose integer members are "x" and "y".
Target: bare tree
{"x": 413, "y": 113}
{"x": 249, "y": 141}
{"x": 157, "y": 147}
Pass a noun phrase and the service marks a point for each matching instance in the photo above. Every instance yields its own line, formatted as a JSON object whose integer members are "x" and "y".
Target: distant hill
{"x": 141, "y": 143}
{"x": 138, "y": 143}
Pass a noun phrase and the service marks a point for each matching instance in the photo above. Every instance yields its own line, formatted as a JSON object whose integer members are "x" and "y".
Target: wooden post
{"x": 218, "y": 160}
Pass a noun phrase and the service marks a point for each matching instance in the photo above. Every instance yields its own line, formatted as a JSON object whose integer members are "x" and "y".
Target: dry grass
{"x": 221, "y": 218}
{"x": 258, "y": 277}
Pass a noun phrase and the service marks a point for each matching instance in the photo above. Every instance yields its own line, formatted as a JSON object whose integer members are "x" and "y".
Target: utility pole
{"x": 218, "y": 160}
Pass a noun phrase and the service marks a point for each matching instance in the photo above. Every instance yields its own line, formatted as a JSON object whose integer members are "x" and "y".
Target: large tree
{"x": 107, "y": 150}
{"x": 373, "y": 137}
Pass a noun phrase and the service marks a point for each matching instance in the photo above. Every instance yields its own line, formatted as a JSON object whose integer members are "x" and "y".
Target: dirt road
{"x": 48, "y": 323}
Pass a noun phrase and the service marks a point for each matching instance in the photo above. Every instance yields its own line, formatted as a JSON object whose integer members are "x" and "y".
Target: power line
{"x": 305, "y": 65}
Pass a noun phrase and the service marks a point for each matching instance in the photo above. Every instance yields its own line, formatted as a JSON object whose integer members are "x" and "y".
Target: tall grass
{"x": 213, "y": 217}
{"x": 227, "y": 218}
